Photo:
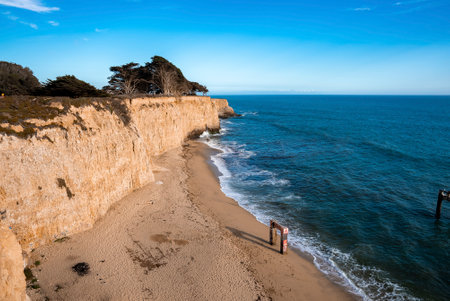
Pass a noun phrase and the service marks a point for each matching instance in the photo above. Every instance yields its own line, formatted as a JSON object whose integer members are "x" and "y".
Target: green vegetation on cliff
{"x": 17, "y": 112}
{"x": 69, "y": 85}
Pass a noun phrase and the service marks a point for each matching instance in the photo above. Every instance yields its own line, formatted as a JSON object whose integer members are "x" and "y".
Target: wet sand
{"x": 179, "y": 238}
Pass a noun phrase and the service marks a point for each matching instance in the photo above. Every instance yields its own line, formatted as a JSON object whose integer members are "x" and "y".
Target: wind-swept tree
{"x": 156, "y": 77}
{"x": 69, "y": 85}
{"x": 169, "y": 80}
{"x": 196, "y": 87}
{"x": 125, "y": 79}
{"x": 17, "y": 80}
{"x": 166, "y": 78}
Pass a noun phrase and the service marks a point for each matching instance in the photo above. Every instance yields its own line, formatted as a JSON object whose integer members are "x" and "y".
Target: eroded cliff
{"x": 12, "y": 278}
{"x": 62, "y": 178}
{"x": 223, "y": 109}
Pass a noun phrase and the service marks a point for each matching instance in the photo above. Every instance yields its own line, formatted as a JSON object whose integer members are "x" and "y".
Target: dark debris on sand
{"x": 81, "y": 268}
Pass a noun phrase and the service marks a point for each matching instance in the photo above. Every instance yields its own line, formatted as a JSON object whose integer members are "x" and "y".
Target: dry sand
{"x": 179, "y": 238}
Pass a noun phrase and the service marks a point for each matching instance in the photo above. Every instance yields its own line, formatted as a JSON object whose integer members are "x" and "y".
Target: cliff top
{"x": 23, "y": 116}
{"x": 19, "y": 113}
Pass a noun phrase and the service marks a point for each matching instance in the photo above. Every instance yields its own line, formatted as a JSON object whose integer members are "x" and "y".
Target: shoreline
{"x": 292, "y": 276}
{"x": 178, "y": 238}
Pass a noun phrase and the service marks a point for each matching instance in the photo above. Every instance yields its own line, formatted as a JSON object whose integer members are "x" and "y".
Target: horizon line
{"x": 318, "y": 94}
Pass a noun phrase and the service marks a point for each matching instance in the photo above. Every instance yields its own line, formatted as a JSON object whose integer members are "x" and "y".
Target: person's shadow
{"x": 252, "y": 238}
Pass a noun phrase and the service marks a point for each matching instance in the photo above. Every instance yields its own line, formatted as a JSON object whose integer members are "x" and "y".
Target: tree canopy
{"x": 125, "y": 79}
{"x": 17, "y": 80}
{"x": 156, "y": 77}
{"x": 69, "y": 85}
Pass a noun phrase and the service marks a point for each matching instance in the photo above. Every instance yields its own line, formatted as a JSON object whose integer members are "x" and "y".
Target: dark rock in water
{"x": 81, "y": 268}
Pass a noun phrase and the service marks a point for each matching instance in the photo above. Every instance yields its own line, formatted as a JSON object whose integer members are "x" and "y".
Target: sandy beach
{"x": 178, "y": 238}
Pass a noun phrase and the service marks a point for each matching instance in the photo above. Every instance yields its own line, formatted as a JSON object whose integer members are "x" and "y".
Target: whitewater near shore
{"x": 178, "y": 238}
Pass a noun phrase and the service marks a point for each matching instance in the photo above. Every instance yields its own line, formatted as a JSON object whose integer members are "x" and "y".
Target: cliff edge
{"x": 59, "y": 174}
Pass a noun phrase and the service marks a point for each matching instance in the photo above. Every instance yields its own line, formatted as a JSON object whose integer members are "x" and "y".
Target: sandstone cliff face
{"x": 12, "y": 278}
{"x": 61, "y": 180}
{"x": 224, "y": 110}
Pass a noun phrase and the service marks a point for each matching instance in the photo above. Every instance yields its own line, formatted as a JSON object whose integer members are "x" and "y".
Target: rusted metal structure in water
{"x": 443, "y": 195}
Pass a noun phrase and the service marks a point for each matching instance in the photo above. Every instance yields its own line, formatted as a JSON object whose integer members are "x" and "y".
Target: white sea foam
{"x": 326, "y": 259}
{"x": 221, "y": 166}
{"x": 267, "y": 182}
{"x": 260, "y": 172}
{"x": 291, "y": 197}
{"x": 249, "y": 114}
{"x": 205, "y": 135}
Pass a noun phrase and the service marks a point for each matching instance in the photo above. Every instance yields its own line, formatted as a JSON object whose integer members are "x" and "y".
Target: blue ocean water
{"x": 355, "y": 178}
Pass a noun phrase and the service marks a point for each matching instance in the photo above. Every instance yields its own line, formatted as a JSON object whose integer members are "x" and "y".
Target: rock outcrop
{"x": 63, "y": 178}
{"x": 12, "y": 278}
{"x": 224, "y": 110}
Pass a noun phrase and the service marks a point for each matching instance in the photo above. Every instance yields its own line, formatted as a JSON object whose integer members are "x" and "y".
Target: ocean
{"x": 356, "y": 180}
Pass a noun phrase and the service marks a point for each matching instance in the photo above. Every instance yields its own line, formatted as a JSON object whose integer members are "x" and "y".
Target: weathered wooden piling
{"x": 284, "y": 231}
{"x": 443, "y": 195}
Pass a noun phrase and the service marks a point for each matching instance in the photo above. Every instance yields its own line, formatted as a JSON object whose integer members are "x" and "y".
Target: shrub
{"x": 17, "y": 80}
{"x": 69, "y": 85}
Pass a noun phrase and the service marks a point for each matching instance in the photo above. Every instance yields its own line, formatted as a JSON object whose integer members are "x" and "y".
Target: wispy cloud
{"x": 101, "y": 30}
{"x": 15, "y": 18}
{"x": 362, "y": 9}
{"x": 400, "y": 3}
{"x": 9, "y": 16}
{"x": 33, "y": 5}
{"x": 412, "y": 6}
{"x": 32, "y": 25}
{"x": 53, "y": 23}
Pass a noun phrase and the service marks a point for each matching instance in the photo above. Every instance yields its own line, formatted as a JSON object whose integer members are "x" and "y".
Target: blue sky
{"x": 321, "y": 47}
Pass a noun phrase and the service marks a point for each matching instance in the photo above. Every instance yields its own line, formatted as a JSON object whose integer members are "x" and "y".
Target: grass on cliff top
{"x": 15, "y": 110}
